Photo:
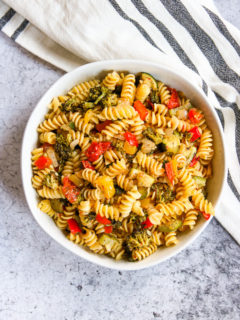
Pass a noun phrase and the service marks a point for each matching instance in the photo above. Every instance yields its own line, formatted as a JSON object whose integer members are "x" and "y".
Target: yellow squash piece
{"x": 129, "y": 149}
{"x": 105, "y": 183}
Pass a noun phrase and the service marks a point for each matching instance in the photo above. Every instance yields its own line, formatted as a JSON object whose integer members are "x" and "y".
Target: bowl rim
{"x": 105, "y": 64}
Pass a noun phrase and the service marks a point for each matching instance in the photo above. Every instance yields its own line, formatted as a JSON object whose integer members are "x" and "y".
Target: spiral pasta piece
{"x": 38, "y": 178}
{"x": 82, "y": 89}
{"x": 171, "y": 239}
{"x": 53, "y": 124}
{"x": 164, "y": 92}
{"x": 157, "y": 238}
{"x": 142, "y": 253}
{"x": 187, "y": 182}
{"x": 99, "y": 164}
{"x": 62, "y": 219}
{"x": 84, "y": 207}
{"x": 116, "y": 168}
{"x": 107, "y": 211}
{"x": 155, "y": 216}
{"x": 180, "y": 125}
{"x": 76, "y": 238}
{"x": 156, "y": 119}
{"x": 201, "y": 203}
{"x": 160, "y": 109}
{"x": 190, "y": 218}
{"x": 49, "y": 193}
{"x": 45, "y": 206}
{"x": 137, "y": 128}
{"x": 49, "y": 137}
{"x": 124, "y": 182}
{"x": 128, "y": 88}
{"x": 111, "y": 80}
{"x": 121, "y": 111}
{"x": 83, "y": 142}
{"x": 93, "y": 194}
{"x": 127, "y": 200}
{"x": 148, "y": 163}
{"x": 91, "y": 241}
{"x": 205, "y": 150}
{"x": 90, "y": 176}
{"x": 68, "y": 168}
{"x": 111, "y": 156}
{"x": 181, "y": 160}
{"x": 115, "y": 128}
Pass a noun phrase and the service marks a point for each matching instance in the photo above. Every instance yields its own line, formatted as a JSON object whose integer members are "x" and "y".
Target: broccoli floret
{"x": 94, "y": 93}
{"x": 163, "y": 194}
{"x": 155, "y": 137}
{"x": 70, "y": 105}
{"x": 87, "y": 105}
{"x": 154, "y": 97}
{"x": 62, "y": 149}
{"x": 109, "y": 100}
{"x": 118, "y": 144}
{"x": 138, "y": 240}
{"x": 51, "y": 180}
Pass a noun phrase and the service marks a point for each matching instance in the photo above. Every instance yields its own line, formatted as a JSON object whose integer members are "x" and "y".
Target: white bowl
{"x": 93, "y": 70}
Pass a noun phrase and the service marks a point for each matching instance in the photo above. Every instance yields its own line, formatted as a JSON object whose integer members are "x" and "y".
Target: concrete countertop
{"x": 41, "y": 280}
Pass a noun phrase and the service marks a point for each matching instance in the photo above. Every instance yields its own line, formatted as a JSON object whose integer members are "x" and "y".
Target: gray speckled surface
{"x": 41, "y": 280}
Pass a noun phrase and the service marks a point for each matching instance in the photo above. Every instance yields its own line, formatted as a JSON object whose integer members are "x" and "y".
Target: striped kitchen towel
{"x": 182, "y": 34}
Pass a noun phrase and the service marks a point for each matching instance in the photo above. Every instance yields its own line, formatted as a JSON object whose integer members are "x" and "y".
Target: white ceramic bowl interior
{"x": 93, "y": 70}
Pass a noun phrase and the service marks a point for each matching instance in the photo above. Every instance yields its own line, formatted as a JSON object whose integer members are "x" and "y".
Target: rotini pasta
{"x": 122, "y": 163}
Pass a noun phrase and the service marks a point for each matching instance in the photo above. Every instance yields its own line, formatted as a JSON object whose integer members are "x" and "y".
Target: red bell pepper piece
{"x": 131, "y": 138}
{"x": 108, "y": 229}
{"x": 174, "y": 99}
{"x": 87, "y": 165}
{"x": 73, "y": 226}
{"x": 206, "y": 216}
{"x": 43, "y": 162}
{"x": 170, "y": 171}
{"x": 101, "y": 126}
{"x": 102, "y": 220}
{"x": 194, "y": 116}
{"x": 147, "y": 223}
{"x": 141, "y": 109}
{"x": 195, "y": 133}
{"x": 69, "y": 190}
{"x": 96, "y": 149}
{"x": 194, "y": 161}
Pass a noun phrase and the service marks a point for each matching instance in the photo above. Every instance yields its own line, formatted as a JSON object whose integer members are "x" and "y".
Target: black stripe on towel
{"x": 135, "y": 23}
{"x": 236, "y": 110}
{"x": 204, "y": 42}
{"x": 19, "y": 29}
{"x": 223, "y": 29}
{"x": 204, "y": 87}
{"x": 220, "y": 115}
{"x": 8, "y": 15}
{"x": 232, "y": 186}
{"x": 165, "y": 32}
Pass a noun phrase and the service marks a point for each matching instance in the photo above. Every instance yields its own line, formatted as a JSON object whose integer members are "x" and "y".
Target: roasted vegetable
{"x": 138, "y": 240}
{"x": 200, "y": 181}
{"x": 57, "y": 205}
{"x": 105, "y": 183}
{"x": 155, "y": 137}
{"x": 143, "y": 191}
{"x": 190, "y": 153}
{"x": 163, "y": 193}
{"x": 72, "y": 104}
{"x": 144, "y": 180}
{"x": 51, "y": 180}
{"x": 108, "y": 241}
{"x": 62, "y": 150}
{"x": 171, "y": 143}
{"x": 148, "y": 146}
{"x": 150, "y": 79}
{"x": 154, "y": 96}
{"x": 172, "y": 226}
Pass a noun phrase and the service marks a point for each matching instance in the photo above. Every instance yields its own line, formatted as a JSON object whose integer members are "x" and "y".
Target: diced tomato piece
{"x": 195, "y": 133}
{"x": 70, "y": 191}
{"x": 194, "y": 161}
{"x": 147, "y": 223}
{"x": 96, "y": 149}
{"x": 73, "y": 226}
{"x": 43, "y": 162}
{"x": 102, "y": 220}
{"x": 87, "y": 165}
{"x": 174, "y": 101}
{"x": 101, "y": 126}
{"x": 141, "y": 109}
{"x": 206, "y": 216}
{"x": 131, "y": 139}
{"x": 108, "y": 229}
{"x": 170, "y": 171}
{"x": 194, "y": 116}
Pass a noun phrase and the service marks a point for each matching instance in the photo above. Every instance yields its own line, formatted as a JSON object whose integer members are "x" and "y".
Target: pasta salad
{"x": 122, "y": 165}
